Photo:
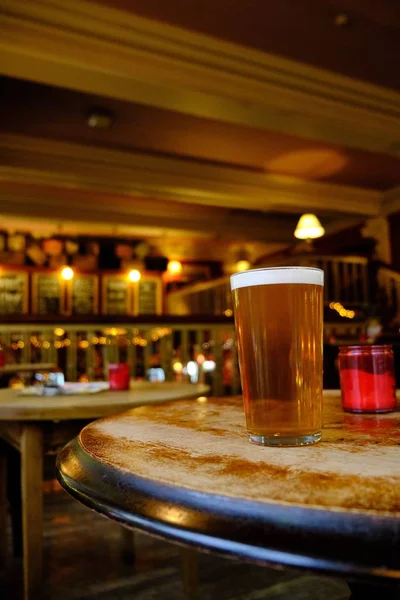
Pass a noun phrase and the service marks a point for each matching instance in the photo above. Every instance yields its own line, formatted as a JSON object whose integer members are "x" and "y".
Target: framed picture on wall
{"x": 116, "y": 295}
{"x": 47, "y": 294}
{"x": 84, "y": 295}
{"x": 14, "y": 291}
{"x": 149, "y": 296}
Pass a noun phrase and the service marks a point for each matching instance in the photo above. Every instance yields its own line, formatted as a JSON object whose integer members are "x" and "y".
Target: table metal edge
{"x": 300, "y": 537}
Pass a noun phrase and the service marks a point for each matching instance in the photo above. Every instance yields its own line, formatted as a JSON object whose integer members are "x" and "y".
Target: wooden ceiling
{"x": 38, "y": 110}
{"x": 358, "y": 38}
{"x": 214, "y": 138}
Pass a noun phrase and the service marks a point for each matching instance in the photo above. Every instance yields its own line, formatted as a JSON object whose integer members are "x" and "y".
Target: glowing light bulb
{"x": 243, "y": 265}
{"x": 200, "y": 359}
{"x": 134, "y": 275}
{"x": 308, "y": 228}
{"x": 174, "y": 267}
{"x": 67, "y": 273}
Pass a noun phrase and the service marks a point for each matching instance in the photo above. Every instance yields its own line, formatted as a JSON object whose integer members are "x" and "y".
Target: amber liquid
{"x": 279, "y": 329}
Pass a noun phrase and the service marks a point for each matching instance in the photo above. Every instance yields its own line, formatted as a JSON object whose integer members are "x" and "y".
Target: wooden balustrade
{"x": 172, "y": 341}
{"x": 389, "y": 283}
{"x": 346, "y": 280}
{"x": 86, "y": 349}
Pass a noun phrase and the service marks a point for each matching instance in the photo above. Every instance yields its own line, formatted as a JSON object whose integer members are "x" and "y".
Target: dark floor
{"x": 83, "y": 562}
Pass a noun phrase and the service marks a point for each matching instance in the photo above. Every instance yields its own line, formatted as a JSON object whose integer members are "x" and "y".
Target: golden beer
{"x": 278, "y": 318}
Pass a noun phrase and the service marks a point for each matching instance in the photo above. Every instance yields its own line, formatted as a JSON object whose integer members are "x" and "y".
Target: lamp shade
{"x": 243, "y": 265}
{"x": 308, "y": 228}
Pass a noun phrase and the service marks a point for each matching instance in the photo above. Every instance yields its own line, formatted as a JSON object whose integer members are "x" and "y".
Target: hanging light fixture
{"x": 242, "y": 260}
{"x": 308, "y": 228}
{"x": 243, "y": 265}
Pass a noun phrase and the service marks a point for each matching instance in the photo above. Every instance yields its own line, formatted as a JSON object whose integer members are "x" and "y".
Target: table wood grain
{"x": 15, "y": 407}
{"x": 27, "y": 367}
{"x": 187, "y": 471}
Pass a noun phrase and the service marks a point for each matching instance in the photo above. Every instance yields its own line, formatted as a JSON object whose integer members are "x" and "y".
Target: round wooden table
{"x": 187, "y": 472}
{"x": 38, "y": 425}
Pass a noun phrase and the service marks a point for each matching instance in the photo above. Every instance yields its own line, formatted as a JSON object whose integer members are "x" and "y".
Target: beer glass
{"x": 278, "y": 319}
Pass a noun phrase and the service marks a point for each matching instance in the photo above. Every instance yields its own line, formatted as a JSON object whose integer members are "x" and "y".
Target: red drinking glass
{"x": 367, "y": 378}
{"x": 119, "y": 376}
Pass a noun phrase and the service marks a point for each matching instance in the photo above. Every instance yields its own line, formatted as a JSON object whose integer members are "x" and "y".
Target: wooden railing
{"x": 389, "y": 283}
{"x": 86, "y": 349}
{"x": 175, "y": 346}
{"x": 346, "y": 280}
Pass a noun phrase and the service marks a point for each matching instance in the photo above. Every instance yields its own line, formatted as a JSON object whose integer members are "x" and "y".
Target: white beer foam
{"x": 274, "y": 275}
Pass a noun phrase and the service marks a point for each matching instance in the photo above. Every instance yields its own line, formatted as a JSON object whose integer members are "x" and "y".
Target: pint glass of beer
{"x": 278, "y": 318}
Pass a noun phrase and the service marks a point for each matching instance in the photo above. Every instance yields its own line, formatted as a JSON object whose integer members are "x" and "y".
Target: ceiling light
{"x": 174, "y": 267}
{"x": 134, "y": 275}
{"x": 243, "y": 265}
{"x": 67, "y": 274}
{"x": 308, "y": 228}
{"x": 100, "y": 118}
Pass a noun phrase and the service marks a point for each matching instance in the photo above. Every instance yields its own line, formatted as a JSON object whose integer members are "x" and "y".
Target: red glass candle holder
{"x": 367, "y": 378}
{"x": 119, "y": 376}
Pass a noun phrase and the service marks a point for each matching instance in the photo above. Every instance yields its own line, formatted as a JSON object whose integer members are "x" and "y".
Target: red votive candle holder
{"x": 119, "y": 376}
{"x": 367, "y": 378}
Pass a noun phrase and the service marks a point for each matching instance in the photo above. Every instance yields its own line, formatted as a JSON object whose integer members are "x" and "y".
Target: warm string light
{"x": 177, "y": 367}
{"x": 137, "y": 340}
{"x": 228, "y": 344}
{"x": 208, "y": 345}
{"x": 17, "y": 345}
{"x": 343, "y": 312}
{"x": 114, "y": 331}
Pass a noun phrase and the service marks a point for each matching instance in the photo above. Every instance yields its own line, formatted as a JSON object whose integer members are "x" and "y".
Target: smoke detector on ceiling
{"x": 100, "y": 118}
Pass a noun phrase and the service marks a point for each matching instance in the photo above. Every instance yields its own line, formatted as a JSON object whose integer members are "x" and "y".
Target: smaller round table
{"x": 186, "y": 471}
{"x": 36, "y": 425}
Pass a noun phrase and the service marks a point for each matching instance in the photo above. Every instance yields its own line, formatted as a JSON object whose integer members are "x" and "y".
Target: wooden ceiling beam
{"x": 46, "y": 162}
{"x": 94, "y": 49}
{"x": 231, "y": 226}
